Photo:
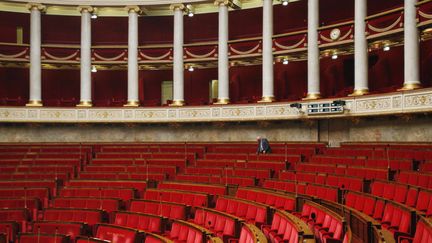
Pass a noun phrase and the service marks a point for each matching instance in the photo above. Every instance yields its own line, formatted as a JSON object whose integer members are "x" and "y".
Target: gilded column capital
{"x": 133, "y": 8}
{"x": 223, "y": 3}
{"x": 176, "y": 6}
{"x": 37, "y": 6}
{"x": 88, "y": 9}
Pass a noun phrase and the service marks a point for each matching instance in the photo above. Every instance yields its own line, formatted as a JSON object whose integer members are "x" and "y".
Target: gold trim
{"x": 384, "y": 13}
{"x": 336, "y": 25}
{"x": 267, "y": 99}
{"x": 37, "y": 6}
{"x": 132, "y": 103}
{"x": 223, "y": 101}
{"x": 360, "y": 92}
{"x": 34, "y": 103}
{"x": 175, "y": 6}
{"x": 85, "y": 103}
{"x": 177, "y": 103}
{"x": 312, "y": 96}
{"x": 410, "y": 86}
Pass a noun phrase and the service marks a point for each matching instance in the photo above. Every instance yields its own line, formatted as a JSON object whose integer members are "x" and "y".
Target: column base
{"x": 177, "y": 103}
{"x": 410, "y": 86}
{"x": 85, "y": 103}
{"x": 132, "y": 103}
{"x": 312, "y": 96}
{"x": 223, "y": 101}
{"x": 267, "y": 99}
{"x": 34, "y": 103}
{"x": 359, "y": 92}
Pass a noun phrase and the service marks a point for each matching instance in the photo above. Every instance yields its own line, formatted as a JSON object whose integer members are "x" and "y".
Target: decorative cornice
{"x": 176, "y": 6}
{"x": 406, "y": 102}
{"x": 133, "y": 8}
{"x": 223, "y": 2}
{"x": 86, "y": 8}
{"x": 37, "y": 6}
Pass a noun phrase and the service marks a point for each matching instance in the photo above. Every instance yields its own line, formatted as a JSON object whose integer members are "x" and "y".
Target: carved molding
{"x": 392, "y": 103}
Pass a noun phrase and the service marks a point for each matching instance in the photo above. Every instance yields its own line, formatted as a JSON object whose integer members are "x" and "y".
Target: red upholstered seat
{"x": 140, "y": 221}
{"x": 10, "y": 230}
{"x": 115, "y": 233}
{"x": 89, "y": 216}
{"x": 71, "y": 229}
{"x": 46, "y": 238}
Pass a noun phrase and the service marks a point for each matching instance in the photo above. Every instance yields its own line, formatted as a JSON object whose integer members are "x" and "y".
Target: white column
{"x": 411, "y": 47}
{"x": 178, "y": 69}
{"x": 35, "y": 55}
{"x": 267, "y": 52}
{"x": 133, "y": 100}
{"x": 223, "y": 64}
{"x": 360, "y": 49}
{"x": 313, "y": 51}
{"x": 85, "y": 93}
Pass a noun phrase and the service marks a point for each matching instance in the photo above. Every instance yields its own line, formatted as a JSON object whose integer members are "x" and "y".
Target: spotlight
{"x": 339, "y": 102}
{"x": 190, "y": 10}
{"x": 93, "y": 69}
{"x": 285, "y": 2}
{"x": 93, "y": 16}
{"x": 296, "y": 105}
{"x": 285, "y": 61}
{"x": 334, "y": 56}
{"x": 386, "y": 48}
{"x": 191, "y": 68}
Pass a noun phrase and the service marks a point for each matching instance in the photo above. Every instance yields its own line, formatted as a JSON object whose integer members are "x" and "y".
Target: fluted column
{"x": 411, "y": 47}
{"x": 35, "y": 55}
{"x": 360, "y": 49}
{"x": 223, "y": 64}
{"x": 267, "y": 52}
{"x": 178, "y": 69}
{"x": 85, "y": 92}
{"x": 133, "y": 100}
{"x": 313, "y": 51}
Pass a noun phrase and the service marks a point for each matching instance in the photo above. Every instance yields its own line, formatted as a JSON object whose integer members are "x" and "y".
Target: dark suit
{"x": 263, "y": 146}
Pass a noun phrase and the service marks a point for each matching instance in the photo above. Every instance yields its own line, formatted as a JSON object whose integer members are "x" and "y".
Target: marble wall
{"x": 334, "y": 131}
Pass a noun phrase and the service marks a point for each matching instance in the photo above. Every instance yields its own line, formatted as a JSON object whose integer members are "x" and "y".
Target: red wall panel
{"x": 60, "y": 29}
{"x": 9, "y": 23}
{"x": 110, "y": 30}
{"x": 201, "y": 27}
{"x": 386, "y": 72}
{"x": 197, "y": 85}
{"x": 150, "y": 82}
{"x": 245, "y": 83}
{"x": 109, "y": 87}
{"x": 59, "y": 86}
{"x": 425, "y": 63}
{"x": 14, "y": 84}
{"x": 156, "y": 30}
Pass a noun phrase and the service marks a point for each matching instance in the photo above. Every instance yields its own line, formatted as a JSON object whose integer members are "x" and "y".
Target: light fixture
{"x": 386, "y": 48}
{"x": 285, "y": 2}
{"x": 285, "y": 61}
{"x": 190, "y": 10}
{"x": 93, "y": 69}
{"x": 93, "y": 16}
{"x": 334, "y": 56}
{"x": 191, "y": 68}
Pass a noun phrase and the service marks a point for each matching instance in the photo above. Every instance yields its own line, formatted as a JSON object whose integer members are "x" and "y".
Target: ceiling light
{"x": 285, "y": 61}
{"x": 190, "y": 10}
{"x": 334, "y": 56}
{"x": 93, "y": 69}
{"x": 93, "y": 16}
{"x": 285, "y": 2}
{"x": 386, "y": 48}
{"x": 191, "y": 69}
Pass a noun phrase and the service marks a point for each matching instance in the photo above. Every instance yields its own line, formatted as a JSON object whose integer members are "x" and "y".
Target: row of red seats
{"x": 166, "y": 209}
{"x": 41, "y": 155}
{"x": 217, "y": 179}
{"x": 252, "y": 212}
{"x": 63, "y": 176}
{"x": 284, "y": 228}
{"x": 188, "y": 198}
{"x": 148, "y": 156}
{"x": 50, "y": 184}
{"x": 38, "y": 169}
{"x": 325, "y": 224}
{"x": 46, "y": 162}
{"x": 151, "y": 148}
{"x": 276, "y": 200}
{"x": 41, "y": 193}
{"x": 399, "y": 151}
{"x": 212, "y": 169}
{"x": 183, "y": 231}
{"x": 362, "y": 172}
{"x": 140, "y": 186}
{"x": 421, "y": 179}
{"x": 250, "y": 234}
{"x": 124, "y": 194}
{"x": 253, "y": 157}
{"x": 392, "y": 216}
{"x": 221, "y": 224}
{"x": 122, "y": 176}
{"x": 347, "y": 182}
{"x": 394, "y": 164}
{"x": 320, "y": 191}
{"x": 209, "y": 189}
{"x": 118, "y": 166}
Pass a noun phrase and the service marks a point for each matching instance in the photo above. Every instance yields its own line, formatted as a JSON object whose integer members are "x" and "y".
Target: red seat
{"x": 115, "y": 233}
{"x": 71, "y": 229}
{"x": 46, "y": 238}
{"x": 89, "y": 216}
{"x": 105, "y": 204}
{"x": 140, "y": 221}
{"x": 10, "y": 230}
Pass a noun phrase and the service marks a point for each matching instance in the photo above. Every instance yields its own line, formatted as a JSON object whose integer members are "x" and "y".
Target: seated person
{"x": 263, "y": 146}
